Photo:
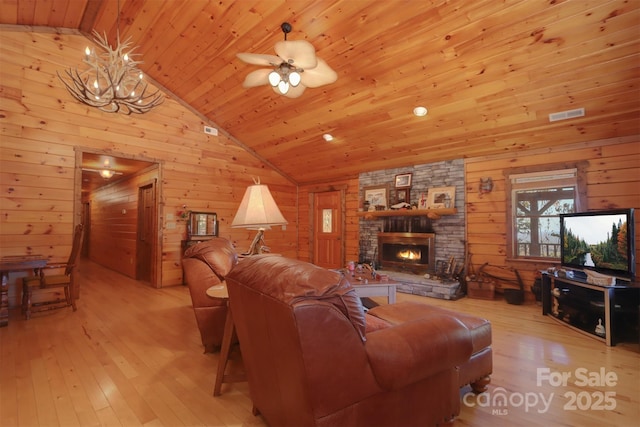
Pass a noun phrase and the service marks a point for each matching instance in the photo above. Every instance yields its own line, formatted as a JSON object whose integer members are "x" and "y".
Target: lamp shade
{"x": 258, "y": 209}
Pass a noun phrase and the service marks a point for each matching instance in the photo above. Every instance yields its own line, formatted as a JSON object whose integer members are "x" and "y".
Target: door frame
{"x": 343, "y": 222}
{"x": 78, "y": 202}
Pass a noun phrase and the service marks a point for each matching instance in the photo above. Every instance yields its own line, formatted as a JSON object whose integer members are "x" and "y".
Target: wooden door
{"x": 146, "y": 233}
{"x": 328, "y": 246}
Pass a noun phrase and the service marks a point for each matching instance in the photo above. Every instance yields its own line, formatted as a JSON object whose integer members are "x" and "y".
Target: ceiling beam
{"x": 89, "y": 16}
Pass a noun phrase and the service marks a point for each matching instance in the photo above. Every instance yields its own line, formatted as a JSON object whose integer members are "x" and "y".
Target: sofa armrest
{"x": 403, "y": 354}
{"x": 199, "y": 278}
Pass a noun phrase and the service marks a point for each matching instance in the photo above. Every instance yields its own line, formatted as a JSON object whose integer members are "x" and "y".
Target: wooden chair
{"x": 45, "y": 283}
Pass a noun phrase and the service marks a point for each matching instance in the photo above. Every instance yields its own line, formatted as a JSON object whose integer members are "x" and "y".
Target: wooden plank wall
{"x": 41, "y": 124}
{"x": 613, "y": 181}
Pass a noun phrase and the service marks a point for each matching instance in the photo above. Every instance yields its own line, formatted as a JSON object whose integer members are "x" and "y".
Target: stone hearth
{"x": 419, "y": 285}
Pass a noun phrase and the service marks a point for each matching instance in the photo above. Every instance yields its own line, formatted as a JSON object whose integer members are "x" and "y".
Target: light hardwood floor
{"x": 131, "y": 355}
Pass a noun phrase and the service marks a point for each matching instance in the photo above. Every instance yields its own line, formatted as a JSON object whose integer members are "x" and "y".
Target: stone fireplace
{"x": 450, "y": 230}
{"x": 410, "y": 259}
{"x": 407, "y": 252}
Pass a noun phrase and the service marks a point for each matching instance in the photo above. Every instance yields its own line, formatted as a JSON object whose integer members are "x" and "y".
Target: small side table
{"x": 220, "y": 291}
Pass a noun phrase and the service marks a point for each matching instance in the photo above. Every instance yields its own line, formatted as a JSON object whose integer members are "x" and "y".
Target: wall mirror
{"x": 202, "y": 224}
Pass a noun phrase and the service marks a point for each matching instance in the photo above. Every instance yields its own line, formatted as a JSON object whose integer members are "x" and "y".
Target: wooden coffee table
{"x": 367, "y": 287}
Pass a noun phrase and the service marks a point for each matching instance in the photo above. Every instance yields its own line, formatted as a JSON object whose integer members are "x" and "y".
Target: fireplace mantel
{"x": 430, "y": 213}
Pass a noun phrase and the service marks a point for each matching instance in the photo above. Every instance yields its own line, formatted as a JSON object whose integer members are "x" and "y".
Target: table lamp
{"x": 258, "y": 211}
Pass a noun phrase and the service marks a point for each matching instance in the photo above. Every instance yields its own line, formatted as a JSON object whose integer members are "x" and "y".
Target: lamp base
{"x": 257, "y": 246}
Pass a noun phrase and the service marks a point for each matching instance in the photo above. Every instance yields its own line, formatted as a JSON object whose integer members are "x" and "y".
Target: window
{"x": 537, "y": 198}
{"x": 327, "y": 220}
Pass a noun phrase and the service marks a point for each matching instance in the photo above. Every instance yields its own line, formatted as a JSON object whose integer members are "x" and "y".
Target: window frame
{"x": 580, "y": 201}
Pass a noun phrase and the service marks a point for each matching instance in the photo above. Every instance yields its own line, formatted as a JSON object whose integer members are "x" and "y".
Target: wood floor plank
{"x": 134, "y": 400}
{"x": 170, "y": 410}
{"x": 83, "y": 360}
{"x": 64, "y": 409}
{"x": 25, "y": 393}
{"x": 131, "y": 355}
{"x": 108, "y": 417}
{"x": 8, "y": 378}
{"x": 117, "y": 400}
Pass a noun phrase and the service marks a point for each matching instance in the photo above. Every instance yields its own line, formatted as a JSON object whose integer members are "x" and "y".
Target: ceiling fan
{"x": 294, "y": 69}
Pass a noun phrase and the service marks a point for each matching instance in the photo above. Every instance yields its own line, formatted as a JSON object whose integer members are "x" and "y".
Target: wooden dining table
{"x": 9, "y": 264}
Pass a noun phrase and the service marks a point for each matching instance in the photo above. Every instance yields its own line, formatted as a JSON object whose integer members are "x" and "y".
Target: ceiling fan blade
{"x": 293, "y": 92}
{"x": 301, "y": 52}
{"x": 257, "y": 78}
{"x": 259, "y": 59}
{"x": 318, "y": 76}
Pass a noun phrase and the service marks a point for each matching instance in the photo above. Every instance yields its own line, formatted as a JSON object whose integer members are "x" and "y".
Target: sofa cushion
{"x": 292, "y": 281}
{"x": 406, "y": 311}
{"x": 374, "y": 323}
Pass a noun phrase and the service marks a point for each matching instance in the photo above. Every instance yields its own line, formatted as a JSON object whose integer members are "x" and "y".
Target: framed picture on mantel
{"x": 377, "y": 196}
{"x": 403, "y": 180}
{"x": 441, "y": 197}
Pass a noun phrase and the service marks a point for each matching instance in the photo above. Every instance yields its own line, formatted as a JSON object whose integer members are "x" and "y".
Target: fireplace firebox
{"x": 414, "y": 252}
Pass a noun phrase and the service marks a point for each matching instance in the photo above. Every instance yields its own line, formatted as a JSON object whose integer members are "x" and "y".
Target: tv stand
{"x": 606, "y": 313}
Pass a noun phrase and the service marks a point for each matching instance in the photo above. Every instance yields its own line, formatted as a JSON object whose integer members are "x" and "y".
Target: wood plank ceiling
{"x": 490, "y": 72}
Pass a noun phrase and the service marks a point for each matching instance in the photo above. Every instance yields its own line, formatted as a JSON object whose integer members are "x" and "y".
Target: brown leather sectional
{"x": 314, "y": 358}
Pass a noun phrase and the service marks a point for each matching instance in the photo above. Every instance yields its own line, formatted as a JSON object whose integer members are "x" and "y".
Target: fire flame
{"x": 408, "y": 255}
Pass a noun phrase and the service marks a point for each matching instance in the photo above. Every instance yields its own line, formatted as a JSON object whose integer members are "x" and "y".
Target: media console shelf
{"x": 606, "y": 313}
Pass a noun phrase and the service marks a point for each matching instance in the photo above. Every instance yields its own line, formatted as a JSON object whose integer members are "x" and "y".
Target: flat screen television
{"x": 602, "y": 241}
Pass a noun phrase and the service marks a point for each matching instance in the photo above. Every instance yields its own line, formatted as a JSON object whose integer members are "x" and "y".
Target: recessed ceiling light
{"x": 420, "y": 111}
{"x": 328, "y": 137}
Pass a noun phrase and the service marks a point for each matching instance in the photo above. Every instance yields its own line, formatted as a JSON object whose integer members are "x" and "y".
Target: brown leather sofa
{"x": 205, "y": 264}
{"x": 313, "y": 358}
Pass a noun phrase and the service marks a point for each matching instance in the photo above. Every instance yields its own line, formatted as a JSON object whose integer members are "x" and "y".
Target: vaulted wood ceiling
{"x": 490, "y": 72}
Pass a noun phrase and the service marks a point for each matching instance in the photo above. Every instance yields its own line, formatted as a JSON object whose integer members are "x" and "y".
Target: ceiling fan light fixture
{"x": 283, "y": 87}
{"x": 291, "y": 60}
{"x": 294, "y": 78}
{"x": 274, "y": 78}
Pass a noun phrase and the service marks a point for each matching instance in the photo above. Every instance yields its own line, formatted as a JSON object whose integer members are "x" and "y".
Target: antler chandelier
{"x": 112, "y": 81}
